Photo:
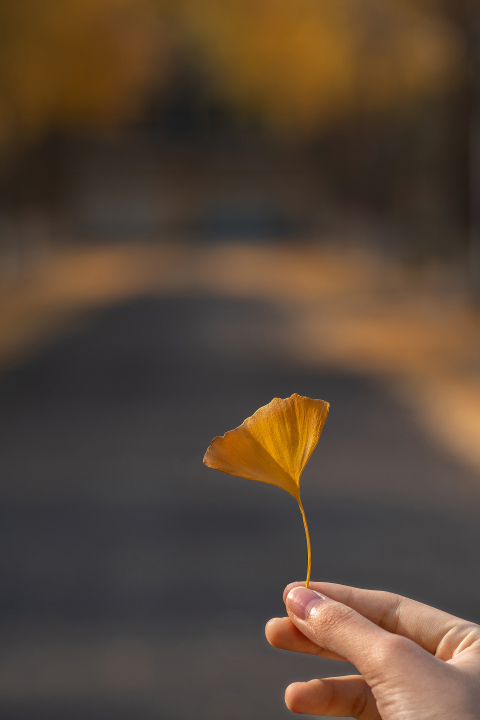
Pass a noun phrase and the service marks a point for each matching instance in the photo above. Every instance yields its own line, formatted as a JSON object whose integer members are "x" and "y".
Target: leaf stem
{"x": 307, "y": 535}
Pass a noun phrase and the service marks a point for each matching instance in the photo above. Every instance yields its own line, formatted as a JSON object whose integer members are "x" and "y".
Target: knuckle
{"x": 390, "y": 618}
{"x": 333, "y": 617}
{"x": 360, "y": 703}
{"x": 392, "y": 646}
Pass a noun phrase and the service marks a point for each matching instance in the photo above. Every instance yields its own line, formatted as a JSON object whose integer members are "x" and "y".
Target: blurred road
{"x": 135, "y": 581}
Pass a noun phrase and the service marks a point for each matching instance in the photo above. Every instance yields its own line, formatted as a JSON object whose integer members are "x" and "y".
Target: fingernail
{"x": 300, "y": 601}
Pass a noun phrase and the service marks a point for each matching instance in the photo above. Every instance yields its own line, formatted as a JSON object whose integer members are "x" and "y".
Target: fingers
{"x": 283, "y": 634}
{"x": 334, "y": 626}
{"x": 347, "y": 696}
{"x": 341, "y": 630}
{"x": 421, "y": 623}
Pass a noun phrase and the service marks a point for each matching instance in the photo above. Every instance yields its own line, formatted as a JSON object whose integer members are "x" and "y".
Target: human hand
{"x": 416, "y": 662}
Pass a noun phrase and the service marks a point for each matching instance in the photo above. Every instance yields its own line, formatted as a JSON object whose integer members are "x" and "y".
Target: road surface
{"x": 135, "y": 581}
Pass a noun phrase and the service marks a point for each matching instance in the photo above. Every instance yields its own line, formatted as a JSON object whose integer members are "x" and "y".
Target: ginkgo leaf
{"x": 273, "y": 446}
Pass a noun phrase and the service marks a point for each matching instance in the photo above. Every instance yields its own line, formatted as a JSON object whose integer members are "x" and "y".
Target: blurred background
{"x": 204, "y": 205}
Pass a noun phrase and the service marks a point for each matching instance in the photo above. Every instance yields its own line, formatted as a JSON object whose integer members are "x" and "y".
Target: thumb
{"x": 341, "y": 630}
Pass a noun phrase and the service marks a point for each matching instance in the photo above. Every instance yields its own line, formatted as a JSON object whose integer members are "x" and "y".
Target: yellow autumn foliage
{"x": 301, "y": 63}
{"x": 76, "y": 62}
{"x": 296, "y": 63}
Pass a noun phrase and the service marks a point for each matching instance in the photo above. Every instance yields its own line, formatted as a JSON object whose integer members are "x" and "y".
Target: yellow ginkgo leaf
{"x": 273, "y": 446}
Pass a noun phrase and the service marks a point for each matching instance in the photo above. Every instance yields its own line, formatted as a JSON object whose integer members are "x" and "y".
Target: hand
{"x": 416, "y": 662}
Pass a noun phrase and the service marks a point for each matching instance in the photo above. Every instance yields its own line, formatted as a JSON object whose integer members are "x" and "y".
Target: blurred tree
{"x": 299, "y": 66}
{"x": 296, "y": 63}
{"x": 464, "y": 18}
{"x": 75, "y": 62}
{"x": 302, "y": 63}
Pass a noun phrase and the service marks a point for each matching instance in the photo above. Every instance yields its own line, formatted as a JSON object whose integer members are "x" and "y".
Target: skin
{"x": 415, "y": 662}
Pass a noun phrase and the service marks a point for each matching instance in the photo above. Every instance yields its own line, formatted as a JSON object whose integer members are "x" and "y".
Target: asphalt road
{"x": 135, "y": 581}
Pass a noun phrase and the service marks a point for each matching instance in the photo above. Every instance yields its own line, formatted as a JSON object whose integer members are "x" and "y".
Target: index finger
{"x": 421, "y": 623}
